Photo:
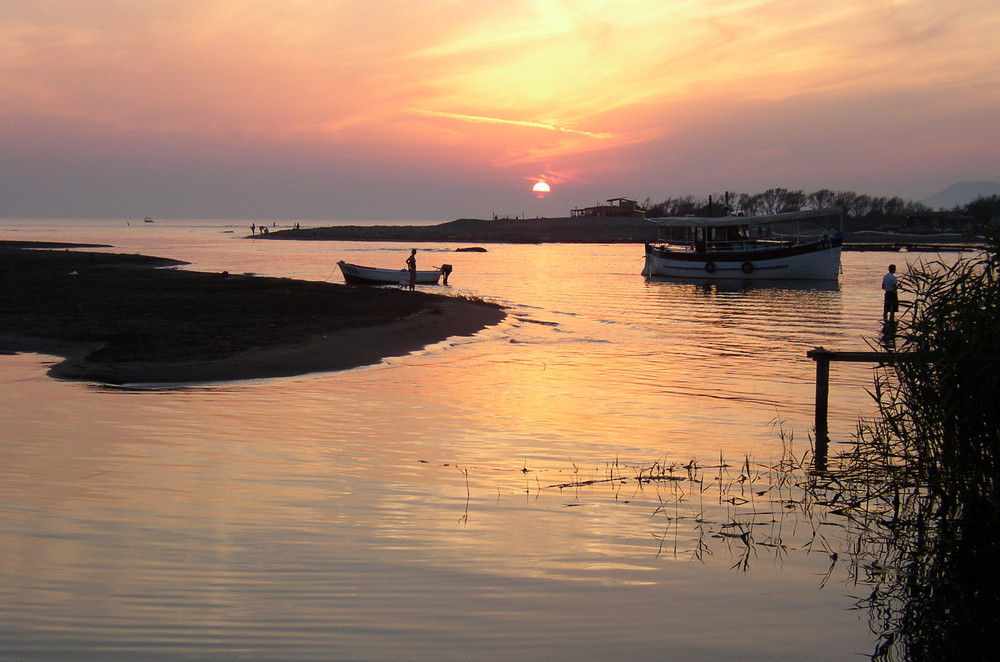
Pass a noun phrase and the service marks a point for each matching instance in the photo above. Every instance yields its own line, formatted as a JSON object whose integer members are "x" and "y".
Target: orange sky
{"x": 437, "y": 109}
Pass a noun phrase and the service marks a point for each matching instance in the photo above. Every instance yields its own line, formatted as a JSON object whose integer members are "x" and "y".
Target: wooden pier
{"x": 912, "y": 247}
{"x": 823, "y": 357}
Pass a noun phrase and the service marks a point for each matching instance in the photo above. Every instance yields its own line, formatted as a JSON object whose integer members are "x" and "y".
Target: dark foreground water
{"x": 482, "y": 499}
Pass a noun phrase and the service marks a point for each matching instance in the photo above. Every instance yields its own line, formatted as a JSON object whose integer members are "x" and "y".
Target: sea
{"x": 598, "y": 477}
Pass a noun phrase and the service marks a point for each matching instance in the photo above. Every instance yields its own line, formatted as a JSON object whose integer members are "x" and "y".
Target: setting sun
{"x": 541, "y": 188}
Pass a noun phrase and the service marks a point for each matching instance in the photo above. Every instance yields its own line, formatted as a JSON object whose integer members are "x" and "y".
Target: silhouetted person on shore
{"x": 411, "y": 265}
{"x": 889, "y": 284}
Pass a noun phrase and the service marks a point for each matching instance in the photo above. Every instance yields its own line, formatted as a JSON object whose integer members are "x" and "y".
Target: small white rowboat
{"x": 355, "y": 274}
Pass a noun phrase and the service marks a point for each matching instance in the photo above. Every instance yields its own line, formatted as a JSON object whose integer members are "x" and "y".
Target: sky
{"x": 443, "y": 109}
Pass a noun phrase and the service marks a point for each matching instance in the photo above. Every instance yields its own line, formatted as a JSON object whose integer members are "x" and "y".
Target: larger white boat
{"x": 772, "y": 247}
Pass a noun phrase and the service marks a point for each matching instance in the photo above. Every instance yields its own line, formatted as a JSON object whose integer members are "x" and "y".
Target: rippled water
{"x": 409, "y": 510}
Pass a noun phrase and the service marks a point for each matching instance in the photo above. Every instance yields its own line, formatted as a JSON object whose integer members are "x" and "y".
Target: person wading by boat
{"x": 411, "y": 265}
{"x": 890, "y": 284}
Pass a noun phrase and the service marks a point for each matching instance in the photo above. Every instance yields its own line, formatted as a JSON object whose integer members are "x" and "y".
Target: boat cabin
{"x": 737, "y": 233}
{"x": 711, "y": 234}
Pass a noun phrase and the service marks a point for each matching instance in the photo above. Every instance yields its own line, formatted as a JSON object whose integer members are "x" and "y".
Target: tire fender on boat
{"x": 747, "y": 267}
{"x": 710, "y": 267}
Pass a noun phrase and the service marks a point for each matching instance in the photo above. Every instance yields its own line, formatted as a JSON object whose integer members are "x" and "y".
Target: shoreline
{"x": 131, "y": 319}
{"x": 583, "y": 230}
{"x": 588, "y": 230}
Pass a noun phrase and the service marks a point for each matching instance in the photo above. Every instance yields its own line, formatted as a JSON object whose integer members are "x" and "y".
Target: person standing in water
{"x": 411, "y": 265}
{"x": 890, "y": 283}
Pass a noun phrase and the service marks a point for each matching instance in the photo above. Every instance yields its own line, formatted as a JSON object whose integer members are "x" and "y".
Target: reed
{"x": 922, "y": 478}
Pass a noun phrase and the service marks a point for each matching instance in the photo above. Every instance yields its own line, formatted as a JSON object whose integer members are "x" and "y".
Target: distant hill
{"x": 961, "y": 194}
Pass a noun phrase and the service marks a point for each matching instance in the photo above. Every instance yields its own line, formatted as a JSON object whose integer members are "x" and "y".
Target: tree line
{"x": 860, "y": 210}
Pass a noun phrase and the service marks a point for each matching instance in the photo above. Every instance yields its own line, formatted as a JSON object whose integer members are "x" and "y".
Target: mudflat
{"x": 126, "y": 319}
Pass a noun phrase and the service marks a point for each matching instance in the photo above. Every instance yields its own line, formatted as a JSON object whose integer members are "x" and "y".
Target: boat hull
{"x": 355, "y": 274}
{"x": 819, "y": 260}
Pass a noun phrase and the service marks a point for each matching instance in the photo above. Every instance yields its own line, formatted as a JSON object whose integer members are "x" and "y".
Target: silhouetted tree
{"x": 821, "y": 198}
{"x": 748, "y": 205}
{"x": 894, "y": 207}
{"x": 984, "y": 209}
{"x": 860, "y": 211}
{"x": 770, "y": 200}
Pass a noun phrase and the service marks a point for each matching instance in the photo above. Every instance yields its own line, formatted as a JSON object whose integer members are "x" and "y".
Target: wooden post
{"x": 822, "y": 358}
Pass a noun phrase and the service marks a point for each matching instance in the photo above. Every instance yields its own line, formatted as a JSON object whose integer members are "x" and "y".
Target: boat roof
{"x": 724, "y": 221}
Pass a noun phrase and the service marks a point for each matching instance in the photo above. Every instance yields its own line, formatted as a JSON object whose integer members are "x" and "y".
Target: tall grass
{"x": 922, "y": 478}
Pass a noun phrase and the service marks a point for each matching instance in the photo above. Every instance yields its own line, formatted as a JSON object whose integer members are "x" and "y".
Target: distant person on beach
{"x": 889, "y": 284}
{"x": 411, "y": 265}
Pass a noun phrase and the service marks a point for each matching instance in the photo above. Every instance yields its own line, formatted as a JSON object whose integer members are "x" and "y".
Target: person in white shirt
{"x": 889, "y": 284}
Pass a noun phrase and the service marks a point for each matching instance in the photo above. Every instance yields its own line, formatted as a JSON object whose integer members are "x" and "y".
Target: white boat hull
{"x": 811, "y": 261}
{"x": 355, "y": 274}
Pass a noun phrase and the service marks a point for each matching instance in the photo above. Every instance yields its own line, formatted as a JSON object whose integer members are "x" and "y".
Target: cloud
{"x": 526, "y": 124}
{"x": 613, "y": 91}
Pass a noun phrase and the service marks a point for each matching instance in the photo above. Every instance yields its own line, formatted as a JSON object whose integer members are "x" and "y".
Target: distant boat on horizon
{"x": 147, "y": 220}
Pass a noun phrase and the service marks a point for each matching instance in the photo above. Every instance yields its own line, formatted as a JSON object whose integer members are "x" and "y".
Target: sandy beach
{"x": 125, "y": 319}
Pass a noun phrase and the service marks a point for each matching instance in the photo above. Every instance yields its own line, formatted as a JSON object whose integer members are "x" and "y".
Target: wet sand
{"x": 128, "y": 319}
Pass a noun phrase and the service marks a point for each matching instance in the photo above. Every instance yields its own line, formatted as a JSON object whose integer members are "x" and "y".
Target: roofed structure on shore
{"x": 941, "y": 221}
{"x": 614, "y": 207}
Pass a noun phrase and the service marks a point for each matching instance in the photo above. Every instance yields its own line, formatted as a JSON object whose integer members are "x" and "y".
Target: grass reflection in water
{"x": 745, "y": 508}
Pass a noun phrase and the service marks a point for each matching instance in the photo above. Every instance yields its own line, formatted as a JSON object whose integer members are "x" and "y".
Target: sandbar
{"x": 135, "y": 319}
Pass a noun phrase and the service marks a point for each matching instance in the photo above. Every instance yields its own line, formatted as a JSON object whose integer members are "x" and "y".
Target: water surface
{"x": 411, "y": 510}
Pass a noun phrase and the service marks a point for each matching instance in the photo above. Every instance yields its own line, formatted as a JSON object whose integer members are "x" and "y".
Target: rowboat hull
{"x": 355, "y": 274}
{"x": 818, "y": 260}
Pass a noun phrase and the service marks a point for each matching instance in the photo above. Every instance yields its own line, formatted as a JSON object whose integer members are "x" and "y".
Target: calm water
{"x": 411, "y": 510}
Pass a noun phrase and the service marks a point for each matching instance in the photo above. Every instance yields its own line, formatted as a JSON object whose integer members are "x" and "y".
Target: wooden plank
{"x": 821, "y": 354}
{"x": 823, "y": 357}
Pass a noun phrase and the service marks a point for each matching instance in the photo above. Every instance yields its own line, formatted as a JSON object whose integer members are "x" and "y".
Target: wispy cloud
{"x": 527, "y": 124}
{"x": 623, "y": 91}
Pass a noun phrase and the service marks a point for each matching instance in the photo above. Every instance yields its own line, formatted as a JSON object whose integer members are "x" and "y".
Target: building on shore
{"x": 615, "y": 207}
{"x": 940, "y": 221}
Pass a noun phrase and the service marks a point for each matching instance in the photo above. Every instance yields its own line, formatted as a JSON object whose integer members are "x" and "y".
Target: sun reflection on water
{"x": 481, "y": 491}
